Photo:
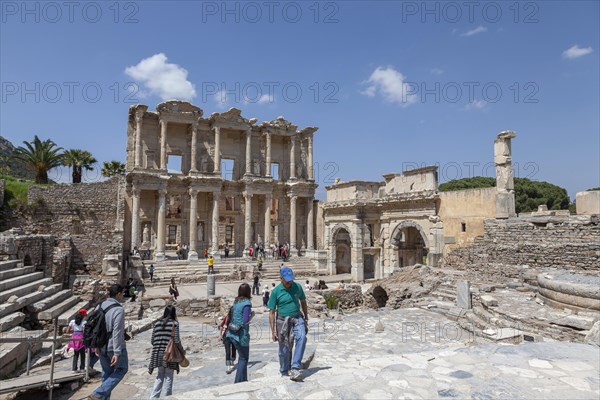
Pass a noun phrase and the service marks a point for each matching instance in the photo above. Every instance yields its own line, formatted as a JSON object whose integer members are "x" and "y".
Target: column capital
{"x": 247, "y": 195}
{"x": 193, "y": 192}
{"x": 136, "y": 191}
{"x": 162, "y": 192}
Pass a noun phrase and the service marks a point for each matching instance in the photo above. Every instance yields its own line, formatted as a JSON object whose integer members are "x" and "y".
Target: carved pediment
{"x": 231, "y": 117}
{"x": 179, "y": 107}
{"x": 280, "y": 123}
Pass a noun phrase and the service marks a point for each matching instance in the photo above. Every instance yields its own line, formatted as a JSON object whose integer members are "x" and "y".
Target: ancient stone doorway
{"x": 369, "y": 263}
{"x": 381, "y": 296}
{"x": 410, "y": 242}
{"x": 343, "y": 260}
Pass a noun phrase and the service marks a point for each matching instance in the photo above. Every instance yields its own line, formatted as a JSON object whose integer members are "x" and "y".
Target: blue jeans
{"x": 241, "y": 374}
{"x": 111, "y": 376}
{"x": 300, "y": 345}
{"x": 165, "y": 376}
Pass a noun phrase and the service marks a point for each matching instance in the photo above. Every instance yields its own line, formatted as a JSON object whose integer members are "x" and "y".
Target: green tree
{"x": 40, "y": 157}
{"x": 78, "y": 159}
{"x": 112, "y": 168}
{"x": 528, "y": 194}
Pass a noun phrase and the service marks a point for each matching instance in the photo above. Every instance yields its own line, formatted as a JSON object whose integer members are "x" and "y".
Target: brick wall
{"x": 85, "y": 212}
{"x": 568, "y": 242}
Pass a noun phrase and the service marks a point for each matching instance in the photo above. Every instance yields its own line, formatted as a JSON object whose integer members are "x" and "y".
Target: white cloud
{"x": 475, "y": 31}
{"x": 476, "y": 105}
{"x": 390, "y": 84}
{"x": 167, "y": 81}
{"x": 266, "y": 98}
{"x": 576, "y": 52}
{"x": 436, "y": 71}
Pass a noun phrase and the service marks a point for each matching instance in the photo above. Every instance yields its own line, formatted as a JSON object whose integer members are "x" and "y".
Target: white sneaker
{"x": 230, "y": 369}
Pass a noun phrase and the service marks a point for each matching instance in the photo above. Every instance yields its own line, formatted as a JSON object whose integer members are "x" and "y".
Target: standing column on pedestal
{"x": 293, "y": 157}
{"x": 215, "y": 223}
{"x": 248, "y": 221}
{"x": 293, "y": 200}
{"x": 267, "y": 221}
{"x": 194, "y": 147}
{"x": 249, "y": 152}
{"x": 135, "y": 219}
{"x": 193, "y": 254}
{"x": 139, "y": 115}
{"x": 268, "y": 155}
{"x": 310, "y": 157}
{"x": 217, "y": 168}
{"x": 161, "y": 229}
{"x": 163, "y": 144}
{"x": 309, "y": 224}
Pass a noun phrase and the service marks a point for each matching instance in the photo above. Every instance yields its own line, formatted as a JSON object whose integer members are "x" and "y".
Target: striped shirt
{"x": 161, "y": 334}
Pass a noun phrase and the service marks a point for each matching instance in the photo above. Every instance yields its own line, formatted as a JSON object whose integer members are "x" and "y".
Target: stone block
{"x": 488, "y": 301}
{"x": 486, "y": 288}
{"x": 199, "y": 304}
{"x": 379, "y": 326}
{"x": 593, "y": 336}
{"x": 158, "y": 303}
{"x": 463, "y": 294}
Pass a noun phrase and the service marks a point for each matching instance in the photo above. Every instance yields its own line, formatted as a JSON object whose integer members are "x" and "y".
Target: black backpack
{"x": 95, "y": 335}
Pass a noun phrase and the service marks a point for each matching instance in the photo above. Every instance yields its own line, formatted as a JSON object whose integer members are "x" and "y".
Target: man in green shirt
{"x": 286, "y": 320}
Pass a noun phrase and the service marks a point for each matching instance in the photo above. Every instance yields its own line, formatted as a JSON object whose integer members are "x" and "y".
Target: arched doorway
{"x": 410, "y": 242}
{"x": 343, "y": 260}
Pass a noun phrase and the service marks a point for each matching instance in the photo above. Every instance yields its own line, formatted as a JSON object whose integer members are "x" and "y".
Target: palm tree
{"x": 40, "y": 157}
{"x": 112, "y": 168}
{"x": 78, "y": 159}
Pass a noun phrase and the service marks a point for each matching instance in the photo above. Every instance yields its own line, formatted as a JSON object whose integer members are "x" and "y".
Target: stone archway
{"x": 410, "y": 242}
{"x": 341, "y": 247}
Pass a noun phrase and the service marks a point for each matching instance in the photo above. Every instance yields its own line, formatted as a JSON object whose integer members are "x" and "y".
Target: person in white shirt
{"x": 307, "y": 285}
{"x": 76, "y": 329}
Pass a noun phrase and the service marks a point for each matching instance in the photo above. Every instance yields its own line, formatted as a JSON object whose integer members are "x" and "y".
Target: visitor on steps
{"x": 161, "y": 335}
{"x": 239, "y": 330}
{"x": 211, "y": 264}
{"x": 173, "y": 291}
{"x": 265, "y": 295}
{"x": 151, "y": 272}
{"x": 288, "y": 323}
{"x": 255, "y": 283}
{"x": 75, "y": 328}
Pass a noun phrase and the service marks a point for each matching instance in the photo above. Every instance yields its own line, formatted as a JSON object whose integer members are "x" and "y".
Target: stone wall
{"x": 568, "y": 242}
{"x": 588, "y": 203}
{"x": 348, "y": 298}
{"x": 87, "y": 213}
{"x": 202, "y": 307}
{"x": 36, "y": 250}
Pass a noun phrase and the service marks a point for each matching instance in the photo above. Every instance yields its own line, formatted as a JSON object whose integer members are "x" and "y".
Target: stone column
{"x": 505, "y": 193}
{"x": 267, "y": 240}
{"x": 293, "y": 200}
{"x": 310, "y": 157}
{"x": 293, "y": 157}
{"x": 138, "y": 139}
{"x": 217, "y": 168}
{"x": 215, "y": 223}
{"x": 193, "y": 254}
{"x": 268, "y": 155}
{"x": 161, "y": 228}
{"x": 194, "y": 147}
{"x": 309, "y": 224}
{"x": 163, "y": 144}
{"x": 249, "y": 152}
{"x": 135, "y": 219}
{"x": 248, "y": 221}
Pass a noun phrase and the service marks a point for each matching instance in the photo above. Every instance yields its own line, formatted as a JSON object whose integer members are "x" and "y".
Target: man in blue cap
{"x": 288, "y": 324}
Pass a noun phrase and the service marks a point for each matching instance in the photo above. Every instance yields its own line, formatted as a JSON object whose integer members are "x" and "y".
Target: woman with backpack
{"x": 76, "y": 327}
{"x": 229, "y": 347}
{"x": 161, "y": 335}
{"x": 239, "y": 329}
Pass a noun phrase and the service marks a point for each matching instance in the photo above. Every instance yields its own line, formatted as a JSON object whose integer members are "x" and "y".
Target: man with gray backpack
{"x": 105, "y": 334}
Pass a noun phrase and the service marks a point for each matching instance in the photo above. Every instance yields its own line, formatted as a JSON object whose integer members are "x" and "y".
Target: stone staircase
{"x": 28, "y": 299}
{"x": 225, "y": 269}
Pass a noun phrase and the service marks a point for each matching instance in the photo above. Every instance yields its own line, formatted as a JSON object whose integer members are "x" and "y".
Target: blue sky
{"x": 391, "y": 85}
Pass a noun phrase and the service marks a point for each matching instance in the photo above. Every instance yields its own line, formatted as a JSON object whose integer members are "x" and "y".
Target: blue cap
{"x": 287, "y": 274}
